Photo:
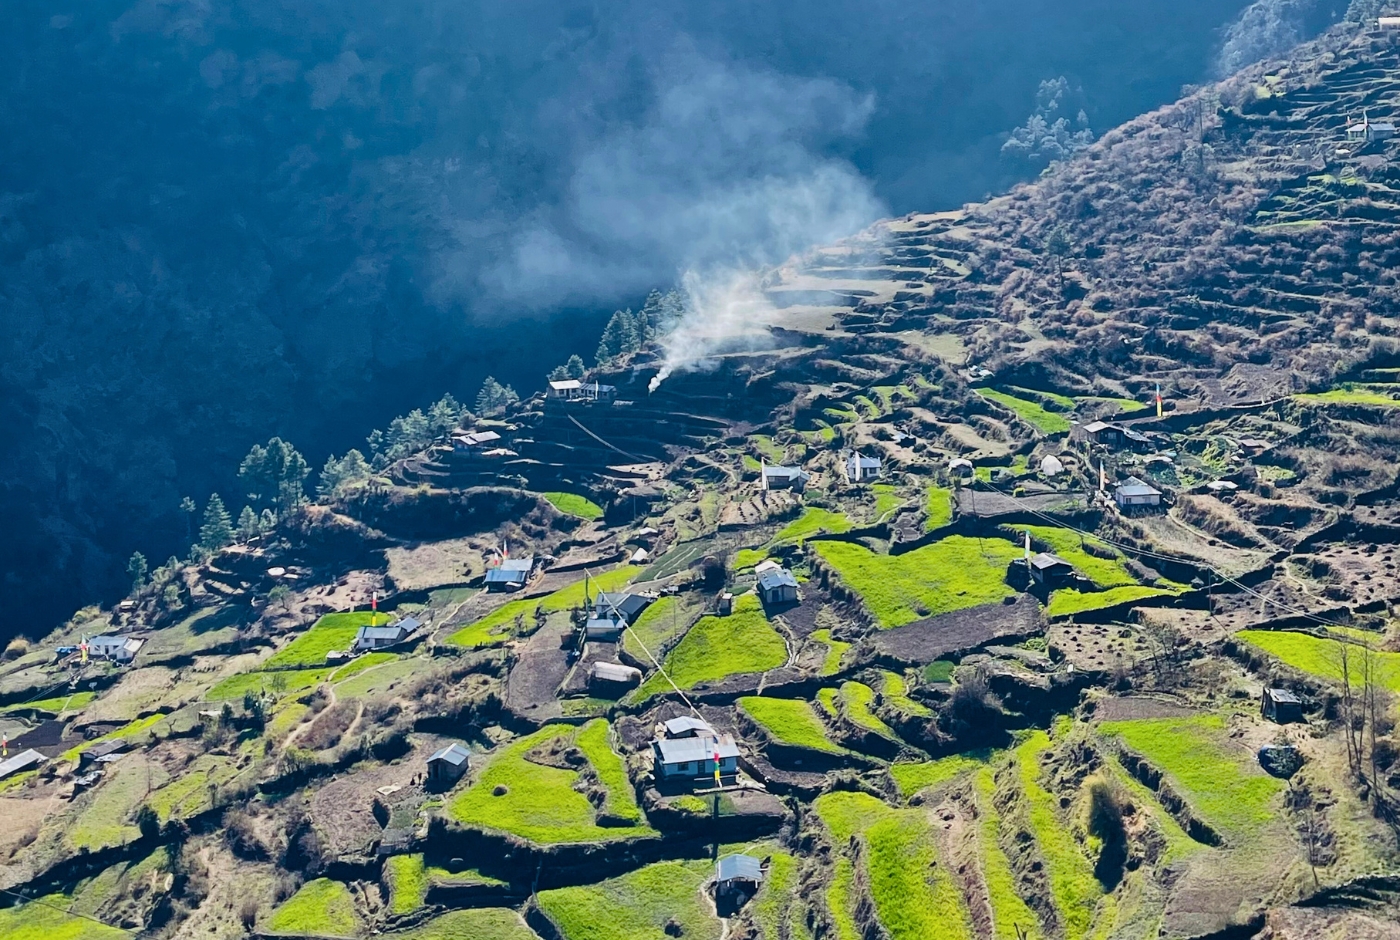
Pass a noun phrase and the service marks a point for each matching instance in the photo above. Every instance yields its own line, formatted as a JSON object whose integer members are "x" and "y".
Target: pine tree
{"x": 494, "y": 397}
{"x": 136, "y": 570}
{"x": 559, "y": 373}
{"x": 247, "y": 524}
{"x": 267, "y": 522}
{"x": 445, "y": 416}
{"x": 619, "y": 336}
{"x": 276, "y": 473}
{"x": 217, "y": 530}
{"x": 575, "y": 368}
{"x": 188, "y": 507}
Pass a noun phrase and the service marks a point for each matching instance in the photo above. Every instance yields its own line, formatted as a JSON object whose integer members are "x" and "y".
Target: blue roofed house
{"x": 510, "y": 575}
{"x": 693, "y": 758}
{"x": 627, "y": 606}
{"x": 776, "y": 585}
{"x": 374, "y": 638}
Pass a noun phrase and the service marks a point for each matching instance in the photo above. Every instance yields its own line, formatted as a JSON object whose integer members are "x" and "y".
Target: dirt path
{"x": 296, "y": 732}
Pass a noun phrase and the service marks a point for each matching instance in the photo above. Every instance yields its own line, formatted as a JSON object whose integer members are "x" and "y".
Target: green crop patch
{"x": 1104, "y": 565}
{"x": 322, "y": 908}
{"x": 572, "y": 504}
{"x": 1067, "y": 601}
{"x": 46, "y": 919}
{"x": 58, "y": 705}
{"x": 498, "y": 626}
{"x": 331, "y": 632}
{"x": 140, "y": 727}
{"x": 1384, "y": 396}
{"x": 621, "y": 800}
{"x": 1075, "y": 890}
{"x": 1323, "y": 657}
{"x": 1009, "y": 909}
{"x": 887, "y": 500}
{"x": 483, "y": 923}
{"x": 791, "y": 721}
{"x": 896, "y": 694}
{"x": 408, "y": 882}
{"x": 718, "y": 647}
{"x": 857, "y": 700}
{"x": 276, "y": 684}
{"x": 1218, "y": 778}
{"x": 1033, "y": 413}
{"x": 188, "y": 794}
{"x": 746, "y": 558}
{"x": 841, "y": 900}
{"x": 662, "y": 621}
{"x": 360, "y": 663}
{"x": 539, "y": 803}
{"x": 911, "y": 778}
{"x": 914, "y": 893}
{"x": 636, "y": 906}
{"x": 835, "y": 650}
{"x": 776, "y": 907}
{"x": 813, "y": 521}
{"x": 952, "y": 574}
{"x": 938, "y": 507}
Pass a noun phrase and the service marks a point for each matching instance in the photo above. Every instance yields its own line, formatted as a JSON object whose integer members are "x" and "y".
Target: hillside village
{"x": 1006, "y": 593}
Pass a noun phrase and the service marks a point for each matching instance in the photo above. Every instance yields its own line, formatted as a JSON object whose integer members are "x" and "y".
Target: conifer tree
{"x": 136, "y": 569}
{"x": 247, "y": 524}
{"x": 217, "y": 529}
{"x": 574, "y": 368}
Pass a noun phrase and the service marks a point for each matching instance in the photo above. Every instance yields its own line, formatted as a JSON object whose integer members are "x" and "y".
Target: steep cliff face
{"x": 222, "y": 222}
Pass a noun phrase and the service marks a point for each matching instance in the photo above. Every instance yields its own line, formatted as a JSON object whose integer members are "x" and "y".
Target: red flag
{"x": 374, "y": 601}
{"x": 717, "y": 781}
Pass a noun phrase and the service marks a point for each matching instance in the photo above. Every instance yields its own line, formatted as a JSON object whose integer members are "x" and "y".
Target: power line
{"x": 43, "y": 903}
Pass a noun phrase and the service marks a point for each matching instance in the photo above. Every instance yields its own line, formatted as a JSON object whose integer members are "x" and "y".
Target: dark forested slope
{"x": 219, "y": 222}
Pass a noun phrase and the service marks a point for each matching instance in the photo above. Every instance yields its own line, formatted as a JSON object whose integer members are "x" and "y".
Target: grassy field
{"x": 484, "y": 923}
{"x": 360, "y": 663}
{"x": 665, "y": 618}
{"x": 813, "y": 521}
{"x": 717, "y": 647}
{"x": 408, "y": 882}
{"x": 841, "y": 899}
{"x": 1322, "y": 658}
{"x": 540, "y": 803}
{"x": 1075, "y": 890}
{"x": 951, "y": 574}
{"x": 911, "y": 778}
{"x": 856, "y": 701}
{"x": 777, "y": 906}
{"x": 58, "y": 705}
{"x": 496, "y": 627}
{"x": 915, "y": 896}
{"x": 1033, "y": 413}
{"x": 572, "y": 504}
{"x": 331, "y": 632}
{"x": 892, "y": 687}
{"x": 887, "y": 500}
{"x": 45, "y": 919}
{"x": 276, "y": 684}
{"x": 592, "y": 739}
{"x": 187, "y": 794}
{"x": 791, "y": 721}
{"x": 130, "y": 730}
{"x": 322, "y": 907}
{"x": 1355, "y": 395}
{"x": 1009, "y": 910}
{"x": 746, "y": 558}
{"x": 938, "y": 507}
{"x": 1104, "y": 572}
{"x": 1068, "y": 601}
{"x": 835, "y": 649}
{"x": 1218, "y": 778}
{"x": 636, "y": 906}
{"x": 826, "y": 701}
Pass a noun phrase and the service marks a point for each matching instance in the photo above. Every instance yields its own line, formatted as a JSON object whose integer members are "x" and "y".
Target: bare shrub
{"x": 16, "y": 648}
{"x": 248, "y": 913}
{"x": 326, "y": 731}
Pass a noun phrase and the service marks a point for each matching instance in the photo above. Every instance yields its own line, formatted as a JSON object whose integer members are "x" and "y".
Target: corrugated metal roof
{"x": 380, "y": 633}
{"x": 1132, "y": 486}
{"x": 694, "y": 750}
{"x": 1047, "y": 560}
{"x": 686, "y": 725}
{"x": 739, "y": 868}
{"x": 22, "y": 761}
{"x": 772, "y": 580}
{"x": 454, "y": 754}
{"x": 628, "y": 605}
{"x": 616, "y": 672}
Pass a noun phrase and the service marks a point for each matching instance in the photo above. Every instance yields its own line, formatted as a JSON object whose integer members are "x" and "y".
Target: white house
{"x": 693, "y": 758}
{"x": 119, "y": 649}
{"x": 1133, "y": 494}
{"x": 784, "y": 478}
{"x": 862, "y": 469}
{"x": 574, "y": 390}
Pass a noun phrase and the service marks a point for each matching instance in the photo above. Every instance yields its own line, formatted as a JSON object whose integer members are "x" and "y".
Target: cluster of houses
{"x": 856, "y": 468}
{"x": 511, "y": 574}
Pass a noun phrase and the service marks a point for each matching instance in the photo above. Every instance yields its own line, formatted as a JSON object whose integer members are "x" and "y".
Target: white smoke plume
{"x": 729, "y": 171}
